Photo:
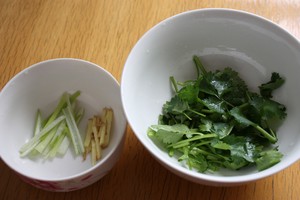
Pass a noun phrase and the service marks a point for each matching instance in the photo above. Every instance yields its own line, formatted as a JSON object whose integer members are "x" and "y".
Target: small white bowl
{"x": 40, "y": 87}
{"x": 252, "y": 45}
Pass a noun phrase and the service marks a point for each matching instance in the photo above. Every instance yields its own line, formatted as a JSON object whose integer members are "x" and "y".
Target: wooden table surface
{"x": 104, "y": 32}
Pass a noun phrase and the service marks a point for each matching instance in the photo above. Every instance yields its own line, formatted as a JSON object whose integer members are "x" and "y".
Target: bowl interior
{"x": 222, "y": 38}
{"x": 40, "y": 87}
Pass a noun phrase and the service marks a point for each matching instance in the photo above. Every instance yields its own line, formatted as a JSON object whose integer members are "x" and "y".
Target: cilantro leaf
{"x": 170, "y": 134}
{"x": 205, "y": 85}
{"x": 267, "y": 159}
{"x": 175, "y": 106}
{"x": 268, "y": 108}
{"x": 206, "y": 125}
{"x": 235, "y": 163}
{"x": 229, "y": 86}
{"x": 197, "y": 160}
{"x": 241, "y": 147}
{"x": 214, "y": 104}
{"x": 219, "y": 144}
{"x": 216, "y": 121}
{"x": 189, "y": 93}
{"x": 237, "y": 113}
{"x": 222, "y": 129}
{"x": 266, "y": 89}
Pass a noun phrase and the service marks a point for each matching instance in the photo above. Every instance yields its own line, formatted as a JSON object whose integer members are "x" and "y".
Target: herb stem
{"x": 271, "y": 138}
{"x": 207, "y": 111}
{"x": 187, "y": 141}
{"x": 173, "y": 81}
{"x": 198, "y": 113}
{"x": 199, "y": 66}
{"x": 206, "y": 153}
{"x": 186, "y": 116}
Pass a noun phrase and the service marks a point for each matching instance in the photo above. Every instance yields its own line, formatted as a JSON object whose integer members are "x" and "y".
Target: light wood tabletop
{"x": 104, "y": 32}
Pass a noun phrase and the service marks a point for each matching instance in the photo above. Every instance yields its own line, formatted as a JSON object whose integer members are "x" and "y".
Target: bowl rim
{"x": 182, "y": 171}
{"x": 109, "y": 154}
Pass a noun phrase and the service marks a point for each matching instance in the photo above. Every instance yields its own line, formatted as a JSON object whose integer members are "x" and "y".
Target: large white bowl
{"x": 40, "y": 87}
{"x": 250, "y": 44}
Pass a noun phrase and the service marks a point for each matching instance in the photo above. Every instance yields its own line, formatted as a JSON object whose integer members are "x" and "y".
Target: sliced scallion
{"x": 52, "y": 135}
{"x": 74, "y": 132}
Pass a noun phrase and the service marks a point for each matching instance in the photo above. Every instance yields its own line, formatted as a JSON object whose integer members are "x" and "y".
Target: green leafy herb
{"x": 215, "y": 122}
{"x": 267, "y": 159}
{"x": 266, "y": 89}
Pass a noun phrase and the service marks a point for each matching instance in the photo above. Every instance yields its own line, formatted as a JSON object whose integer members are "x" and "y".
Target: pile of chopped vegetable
{"x": 216, "y": 122}
{"x": 54, "y": 134}
{"x": 97, "y": 135}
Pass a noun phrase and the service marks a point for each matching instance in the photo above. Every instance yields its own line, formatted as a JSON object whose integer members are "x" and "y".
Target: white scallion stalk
{"x": 43, "y": 144}
{"x": 79, "y": 114}
{"x": 58, "y": 109}
{"x": 65, "y": 99}
{"x": 51, "y": 136}
{"x": 33, "y": 142}
{"x": 64, "y": 145}
{"x": 55, "y": 142}
{"x": 38, "y": 123}
{"x": 74, "y": 132}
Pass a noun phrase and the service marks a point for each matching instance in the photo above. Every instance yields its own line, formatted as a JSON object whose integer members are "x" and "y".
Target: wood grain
{"x": 104, "y": 32}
